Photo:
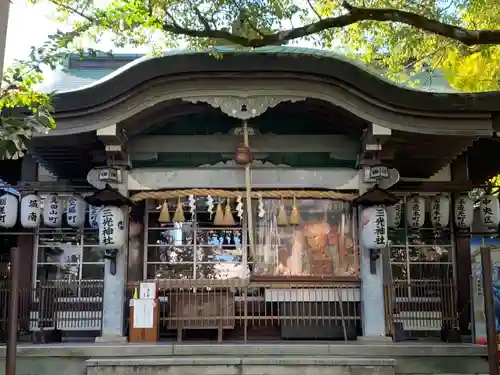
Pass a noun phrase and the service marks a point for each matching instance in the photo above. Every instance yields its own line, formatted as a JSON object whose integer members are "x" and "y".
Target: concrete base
{"x": 375, "y": 339}
{"x": 297, "y": 358}
{"x": 112, "y": 339}
{"x": 298, "y": 348}
{"x": 259, "y": 365}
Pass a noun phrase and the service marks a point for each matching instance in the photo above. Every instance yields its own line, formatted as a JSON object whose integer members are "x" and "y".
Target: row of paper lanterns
{"x": 377, "y": 219}
{"x": 109, "y": 220}
{"x": 439, "y": 210}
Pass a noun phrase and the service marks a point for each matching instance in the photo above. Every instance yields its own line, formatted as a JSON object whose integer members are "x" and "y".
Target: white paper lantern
{"x": 374, "y": 227}
{"x": 464, "y": 212}
{"x": 75, "y": 211}
{"x": 111, "y": 227}
{"x": 52, "y": 211}
{"x": 490, "y": 211}
{"x": 9, "y": 206}
{"x": 94, "y": 216}
{"x": 30, "y": 211}
{"x": 415, "y": 211}
{"x": 440, "y": 211}
{"x": 394, "y": 214}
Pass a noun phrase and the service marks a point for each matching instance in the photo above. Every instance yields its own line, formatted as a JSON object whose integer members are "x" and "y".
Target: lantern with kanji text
{"x": 440, "y": 210}
{"x": 464, "y": 212}
{"x": 415, "y": 211}
{"x": 111, "y": 227}
{"x": 9, "y": 206}
{"x": 394, "y": 214}
{"x": 52, "y": 210}
{"x": 30, "y": 211}
{"x": 374, "y": 227}
{"x": 94, "y": 216}
{"x": 490, "y": 211}
{"x": 75, "y": 211}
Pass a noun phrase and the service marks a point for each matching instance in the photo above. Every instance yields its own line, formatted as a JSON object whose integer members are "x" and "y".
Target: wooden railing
{"x": 238, "y": 310}
{"x": 58, "y": 307}
{"x": 420, "y": 308}
{"x": 242, "y": 310}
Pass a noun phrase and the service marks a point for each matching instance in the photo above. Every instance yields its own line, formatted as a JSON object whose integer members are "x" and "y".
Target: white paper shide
{"x": 394, "y": 214}
{"x": 111, "y": 227}
{"x": 374, "y": 227}
{"x": 415, "y": 211}
{"x": 9, "y": 206}
{"x": 440, "y": 211}
{"x": 490, "y": 211}
{"x": 52, "y": 211}
{"x": 75, "y": 211}
{"x": 464, "y": 212}
{"x": 30, "y": 211}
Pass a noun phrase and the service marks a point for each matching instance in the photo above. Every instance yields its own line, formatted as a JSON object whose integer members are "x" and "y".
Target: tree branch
{"x": 72, "y": 10}
{"x": 353, "y": 15}
{"x": 314, "y": 10}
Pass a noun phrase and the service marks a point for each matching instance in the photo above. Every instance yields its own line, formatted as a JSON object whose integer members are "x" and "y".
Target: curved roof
{"x": 277, "y": 60}
{"x": 71, "y": 78}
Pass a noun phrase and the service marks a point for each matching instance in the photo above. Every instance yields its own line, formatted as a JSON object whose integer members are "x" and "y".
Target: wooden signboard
{"x": 144, "y": 315}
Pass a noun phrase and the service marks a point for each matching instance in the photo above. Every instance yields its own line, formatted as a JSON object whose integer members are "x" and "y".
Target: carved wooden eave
{"x": 245, "y": 74}
{"x": 138, "y": 94}
{"x": 243, "y": 86}
{"x": 241, "y": 107}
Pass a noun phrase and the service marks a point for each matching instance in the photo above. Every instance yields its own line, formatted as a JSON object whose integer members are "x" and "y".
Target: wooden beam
{"x": 52, "y": 187}
{"x": 372, "y": 141}
{"x": 339, "y": 146}
{"x": 114, "y": 140}
{"x": 110, "y": 135}
{"x": 433, "y": 187}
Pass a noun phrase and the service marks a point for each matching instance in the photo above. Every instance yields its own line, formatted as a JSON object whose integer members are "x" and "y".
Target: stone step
{"x": 252, "y": 365}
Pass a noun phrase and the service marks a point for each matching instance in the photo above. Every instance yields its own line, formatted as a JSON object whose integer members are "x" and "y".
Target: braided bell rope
{"x": 269, "y": 194}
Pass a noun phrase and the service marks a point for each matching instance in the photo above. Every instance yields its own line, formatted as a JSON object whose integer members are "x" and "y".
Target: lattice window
{"x": 68, "y": 255}
{"x": 322, "y": 244}
{"x": 421, "y": 254}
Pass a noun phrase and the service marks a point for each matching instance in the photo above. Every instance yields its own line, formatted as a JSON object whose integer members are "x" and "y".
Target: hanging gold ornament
{"x": 295, "y": 214}
{"x": 164, "y": 213}
{"x": 282, "y": 217}
{"x": 179, "y": 213}
{"x": 219, "y": 215}
{"x": 228, "y": 215}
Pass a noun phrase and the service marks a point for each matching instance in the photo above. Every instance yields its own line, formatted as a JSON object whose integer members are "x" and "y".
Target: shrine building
{"x": 276, "y": 194}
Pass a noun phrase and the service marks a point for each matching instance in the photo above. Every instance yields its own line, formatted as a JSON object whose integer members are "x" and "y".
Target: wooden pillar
{"x": 459, "y": 173}
{"x": 136, "y": 244}
{"x": 26, "y": 245}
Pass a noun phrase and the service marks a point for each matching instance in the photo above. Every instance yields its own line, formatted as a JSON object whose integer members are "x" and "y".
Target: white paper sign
{"x": 147, "y": 291}
{"x": 144, "y": 313}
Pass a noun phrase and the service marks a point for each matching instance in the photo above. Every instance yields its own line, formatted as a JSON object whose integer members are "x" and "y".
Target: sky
{"x": 28, "y": 26}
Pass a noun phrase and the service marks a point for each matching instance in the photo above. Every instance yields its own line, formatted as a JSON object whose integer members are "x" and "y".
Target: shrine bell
{"x": 243, "y": 155}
